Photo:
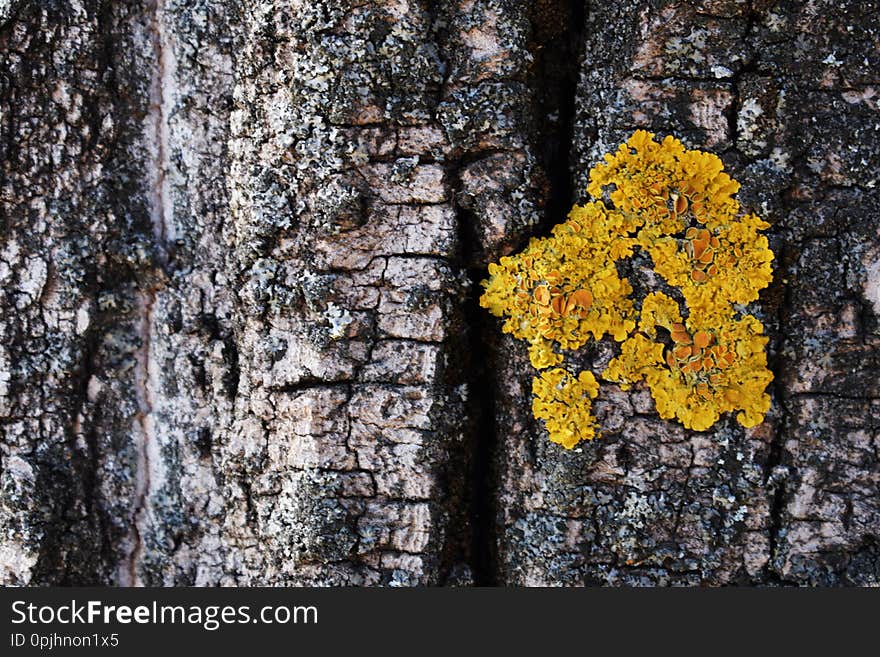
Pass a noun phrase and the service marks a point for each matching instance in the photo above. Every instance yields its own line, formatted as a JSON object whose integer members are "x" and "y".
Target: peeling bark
{"x": 241, "y": 252}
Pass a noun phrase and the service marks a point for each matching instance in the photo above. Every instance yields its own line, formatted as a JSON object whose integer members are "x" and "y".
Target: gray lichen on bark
{"x": 240, "y": 248}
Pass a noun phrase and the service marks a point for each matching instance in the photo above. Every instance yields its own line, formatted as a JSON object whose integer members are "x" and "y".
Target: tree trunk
{"x": 241, "y": 252}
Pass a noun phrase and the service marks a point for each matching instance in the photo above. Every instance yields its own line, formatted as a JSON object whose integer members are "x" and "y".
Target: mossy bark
{"x": 240, "y": 247}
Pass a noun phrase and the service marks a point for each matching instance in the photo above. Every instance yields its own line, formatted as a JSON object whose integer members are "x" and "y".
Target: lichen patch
{"x": 689, "y": 340}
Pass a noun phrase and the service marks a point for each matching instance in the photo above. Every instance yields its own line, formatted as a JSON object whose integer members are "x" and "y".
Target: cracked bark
{"x": 653, "y": 504}
{"x": 241, "y": 247}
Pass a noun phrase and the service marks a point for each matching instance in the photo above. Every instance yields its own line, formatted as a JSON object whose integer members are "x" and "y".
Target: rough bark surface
{"x": 240, "y": 248}
{"x": 784, "y": 93}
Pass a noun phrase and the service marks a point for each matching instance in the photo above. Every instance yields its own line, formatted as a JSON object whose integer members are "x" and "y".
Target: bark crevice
{"x": 558, "y": 33}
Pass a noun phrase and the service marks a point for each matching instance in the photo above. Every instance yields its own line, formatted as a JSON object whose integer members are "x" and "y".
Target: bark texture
{"x": 240, "y": 248}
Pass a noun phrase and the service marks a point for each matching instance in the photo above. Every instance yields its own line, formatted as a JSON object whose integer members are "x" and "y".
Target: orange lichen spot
{"x": 681, "y": 204}
{"x": 581, "y": 299}
{"x": 681, "y": 337}
{"x": 542, "y": 295}
{"x": 681, "y": 352}
{"x": 702, "y": 339}
{"x": 678, "y": 207}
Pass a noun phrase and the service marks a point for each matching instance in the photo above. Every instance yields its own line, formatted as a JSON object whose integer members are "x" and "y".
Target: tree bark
{"x": 240, "y": 341}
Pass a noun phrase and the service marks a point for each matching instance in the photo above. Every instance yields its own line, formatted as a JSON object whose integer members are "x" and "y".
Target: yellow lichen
{"x": 700, "y": 356}
{"x": 563, "y": 401}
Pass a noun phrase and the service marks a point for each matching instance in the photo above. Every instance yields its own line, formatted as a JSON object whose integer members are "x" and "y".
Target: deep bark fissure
{"x": 773, "y": 481}
{"x": 557, "y": 42}
{"x": 556, "y": 85}
{"x": 475, "y": 472}
{"x": 483, "y": 488}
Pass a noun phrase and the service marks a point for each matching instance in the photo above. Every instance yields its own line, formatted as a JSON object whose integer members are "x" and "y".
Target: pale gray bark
{"x": 240, "y": 344}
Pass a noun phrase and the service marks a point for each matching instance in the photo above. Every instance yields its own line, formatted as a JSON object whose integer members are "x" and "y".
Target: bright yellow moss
{"x": 700, "y": 356}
